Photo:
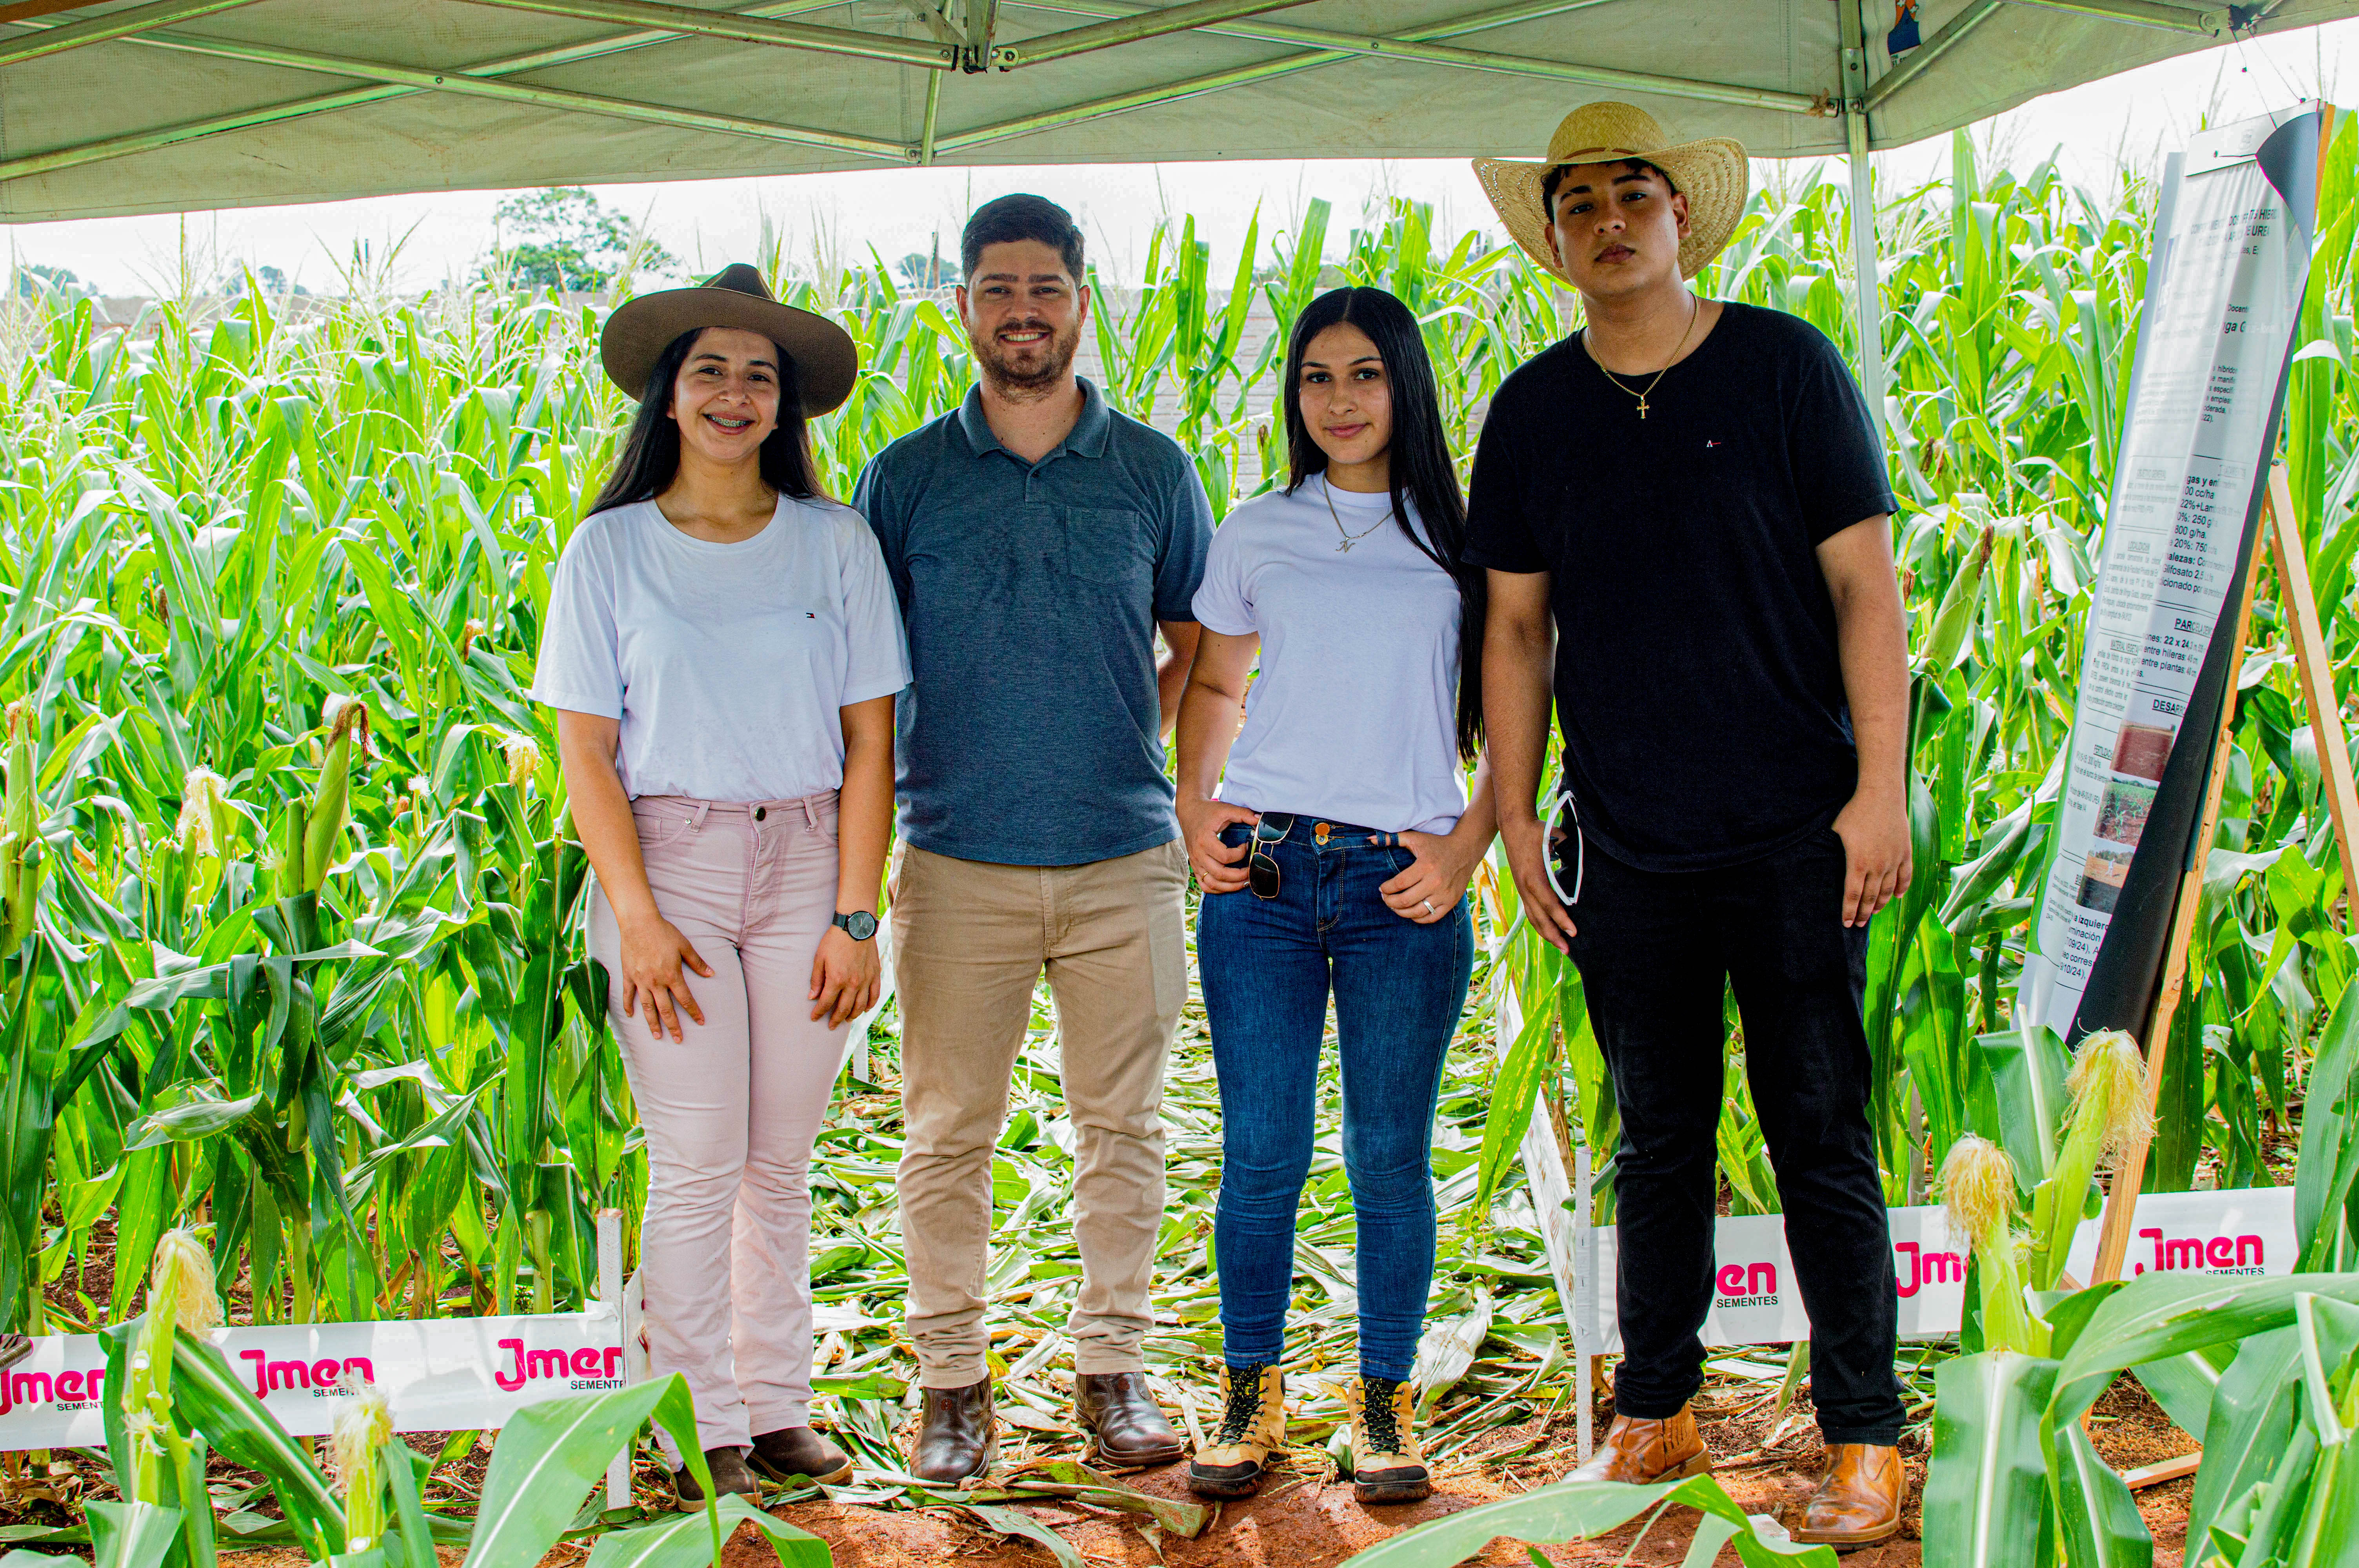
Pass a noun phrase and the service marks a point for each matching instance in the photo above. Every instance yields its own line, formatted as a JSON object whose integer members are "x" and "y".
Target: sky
{"x": 416, "y": 241}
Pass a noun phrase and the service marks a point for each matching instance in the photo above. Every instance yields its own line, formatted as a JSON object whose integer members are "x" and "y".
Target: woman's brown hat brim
{"x": 827, "y": 360}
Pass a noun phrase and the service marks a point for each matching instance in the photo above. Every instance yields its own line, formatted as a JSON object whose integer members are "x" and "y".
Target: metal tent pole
{"x": 1866, "y": 296}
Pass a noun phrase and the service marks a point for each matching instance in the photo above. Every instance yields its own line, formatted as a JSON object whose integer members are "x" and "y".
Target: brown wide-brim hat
{"x": 827, "y": 361}
{"x": 1713, "y": 173}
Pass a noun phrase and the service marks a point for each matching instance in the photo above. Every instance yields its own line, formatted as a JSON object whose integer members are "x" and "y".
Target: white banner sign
{"x": 440, "y": 1375}
{"x": 1757, "y": 1299}
{"x": 2230, "y": 262}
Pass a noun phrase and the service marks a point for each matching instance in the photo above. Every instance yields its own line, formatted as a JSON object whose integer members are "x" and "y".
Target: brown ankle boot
{"x": 794, "y": 1452}
{"x": 1119, "y": 1412}
{"x": 957, "y": 1436}
{"x": 1859, "y": 1502}
{"x": 1645, "y": 1451}
{"x": 729, "y": 1475}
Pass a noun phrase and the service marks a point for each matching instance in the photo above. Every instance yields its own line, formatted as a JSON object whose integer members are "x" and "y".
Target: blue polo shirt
{"x": 1030, "y": 734}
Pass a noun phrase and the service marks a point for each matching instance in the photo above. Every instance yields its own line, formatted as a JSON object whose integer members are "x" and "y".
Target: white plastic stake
{"x": 610, "y": 1292}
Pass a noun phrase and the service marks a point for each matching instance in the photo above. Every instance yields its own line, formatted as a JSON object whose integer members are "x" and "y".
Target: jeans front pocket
{"x": 661, "y": 826}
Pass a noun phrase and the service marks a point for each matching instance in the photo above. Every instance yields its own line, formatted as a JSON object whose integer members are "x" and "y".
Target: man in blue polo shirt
{"x": 1037, "y": 540}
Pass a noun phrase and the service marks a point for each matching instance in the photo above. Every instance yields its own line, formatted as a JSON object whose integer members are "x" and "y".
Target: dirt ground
{"x": 1305, "y": 1519}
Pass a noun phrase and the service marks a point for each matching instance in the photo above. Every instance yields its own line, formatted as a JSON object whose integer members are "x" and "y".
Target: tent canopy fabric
{"x": 169, "y": 105}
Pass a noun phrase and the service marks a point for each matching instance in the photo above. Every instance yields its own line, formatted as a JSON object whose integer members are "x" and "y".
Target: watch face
{"x": 860, "y": 925}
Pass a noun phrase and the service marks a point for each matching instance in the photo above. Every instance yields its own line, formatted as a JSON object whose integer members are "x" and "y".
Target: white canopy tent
{"x": 170, "y": 105}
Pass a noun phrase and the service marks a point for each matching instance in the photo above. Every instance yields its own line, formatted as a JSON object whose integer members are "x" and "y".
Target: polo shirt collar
{"x": 1087, "y": 437}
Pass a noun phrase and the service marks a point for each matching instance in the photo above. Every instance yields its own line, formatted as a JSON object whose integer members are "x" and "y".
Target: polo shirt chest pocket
{"x": 1110, "y": 546}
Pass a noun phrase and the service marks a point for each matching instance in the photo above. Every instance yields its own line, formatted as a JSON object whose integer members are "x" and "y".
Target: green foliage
{"x": 563, "y": 238}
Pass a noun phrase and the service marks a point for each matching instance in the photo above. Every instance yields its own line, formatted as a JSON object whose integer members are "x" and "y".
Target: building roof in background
{"x": 166, "y": 105}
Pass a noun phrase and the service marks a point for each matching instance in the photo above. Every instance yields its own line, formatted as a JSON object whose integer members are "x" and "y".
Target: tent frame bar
{"x": 744, "y": 28}
{"x": 1121, "y": 30}
{"x": 1920, "y": 59}
{"x": 2207, "y": 22}
{"x": 57, "y": 37}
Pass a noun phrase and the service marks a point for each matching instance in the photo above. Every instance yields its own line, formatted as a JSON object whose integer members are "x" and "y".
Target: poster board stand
{"x": 2283, "y": 533}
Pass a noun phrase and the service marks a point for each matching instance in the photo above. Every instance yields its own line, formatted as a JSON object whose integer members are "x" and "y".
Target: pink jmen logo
{"x": 1928, "y": 1269}
{"x": 1744, "y": 1284}
{"x": 590, "y": 1361}
{"x": 2202, "y": 1253}
{"x": 18, "y": 1388}
{"x": 326, "y": 1372}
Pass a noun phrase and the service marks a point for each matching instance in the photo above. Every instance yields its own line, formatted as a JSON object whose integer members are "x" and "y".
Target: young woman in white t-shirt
{"x": 723, "y": 648}
{"x": 1334, "y": 855}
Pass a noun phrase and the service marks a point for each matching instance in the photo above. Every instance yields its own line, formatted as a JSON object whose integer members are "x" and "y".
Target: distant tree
{"x": 920, "y": 271}
{"x": 33, "y": 279}
{"x": 562, "y": 238}
{"x": 273, "y": 280}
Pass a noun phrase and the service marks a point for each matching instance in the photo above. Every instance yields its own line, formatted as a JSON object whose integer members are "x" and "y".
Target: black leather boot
{"x": 957, "y": 1436}
{"x": 798, "y": 1450}
{"x": 1117, "y": 1409}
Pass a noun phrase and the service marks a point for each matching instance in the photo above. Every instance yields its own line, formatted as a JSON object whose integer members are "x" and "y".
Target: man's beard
{"x": 1030, "y": 369}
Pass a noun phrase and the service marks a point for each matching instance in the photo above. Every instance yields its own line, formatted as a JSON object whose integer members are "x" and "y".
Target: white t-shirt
{"x": 726, "y": 664}
{"x": 1355, "y": 714}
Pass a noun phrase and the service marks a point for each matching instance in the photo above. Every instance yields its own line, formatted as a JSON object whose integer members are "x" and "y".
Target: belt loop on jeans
{"x": 810, "y": 814}
{"x": 696, "y": 817}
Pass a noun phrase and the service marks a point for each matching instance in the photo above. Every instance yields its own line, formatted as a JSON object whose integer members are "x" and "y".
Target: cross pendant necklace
{"x": 1695, "y": 308}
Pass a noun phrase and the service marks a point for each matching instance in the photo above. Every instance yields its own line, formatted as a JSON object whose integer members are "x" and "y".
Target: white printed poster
{"x": 1757, "y": 1300}
{"x": 439, "y": 1374}
{"x": 2224, "y": 287}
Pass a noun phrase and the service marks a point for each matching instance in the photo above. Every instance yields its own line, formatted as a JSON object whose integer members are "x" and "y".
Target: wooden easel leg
{"x": 2317, "y": 673}
{"x": 2129, "y": 1172}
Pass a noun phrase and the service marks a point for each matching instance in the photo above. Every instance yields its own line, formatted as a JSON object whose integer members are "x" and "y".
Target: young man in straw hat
{"x": 1686, "y": 503}
{"x": 1038, "y": 540}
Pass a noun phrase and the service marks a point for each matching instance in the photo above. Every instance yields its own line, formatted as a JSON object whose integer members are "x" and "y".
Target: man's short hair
{"x": 1020, "y": 218}
{"x": 1555, "y": 176}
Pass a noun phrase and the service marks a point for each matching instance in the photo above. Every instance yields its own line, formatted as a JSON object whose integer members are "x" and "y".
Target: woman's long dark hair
{"x": 650, "y": 456}
{"x": 1419, "y": 463}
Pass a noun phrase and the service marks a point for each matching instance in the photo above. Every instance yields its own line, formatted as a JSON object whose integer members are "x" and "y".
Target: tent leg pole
{"x": 1867, "y": 293}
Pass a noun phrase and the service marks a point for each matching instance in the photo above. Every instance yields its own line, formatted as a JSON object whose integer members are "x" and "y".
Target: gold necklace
{"x": 1695, "y": 308}
{"x": 1326, "y": 495}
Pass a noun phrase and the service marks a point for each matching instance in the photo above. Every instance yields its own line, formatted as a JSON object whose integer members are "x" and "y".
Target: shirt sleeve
{"x": 579, "y": 667}
{"x": 1221, "y": 603}
{"x": 1832, "y": 445}
{"x": 1498, "y": 524}
{"x": 1181, "y": 568}
{"x": 871, "y": 500}
{"x": 878, "y": 655}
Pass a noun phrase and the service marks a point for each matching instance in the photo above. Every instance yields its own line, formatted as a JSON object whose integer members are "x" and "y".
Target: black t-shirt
{"x": 1697, "y": 673}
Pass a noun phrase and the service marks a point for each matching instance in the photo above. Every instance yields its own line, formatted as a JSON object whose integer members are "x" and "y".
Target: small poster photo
{"x": 2121, "y": 815}
{"x": 2142, "y": 749}
{"x": 2102, "y": 876}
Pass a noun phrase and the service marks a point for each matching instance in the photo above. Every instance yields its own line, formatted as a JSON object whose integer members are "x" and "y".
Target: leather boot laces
{"x": 1376, "y": 1411}
{"x": 1243, "y": 1412}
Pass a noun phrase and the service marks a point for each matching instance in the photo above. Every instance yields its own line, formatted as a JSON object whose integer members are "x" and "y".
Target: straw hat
{"x": 826, "y": 361}
{"x": 1712, "y": 174}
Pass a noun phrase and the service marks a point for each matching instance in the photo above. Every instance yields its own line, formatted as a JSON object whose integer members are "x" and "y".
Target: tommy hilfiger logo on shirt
{"x": 1709, "y": 445}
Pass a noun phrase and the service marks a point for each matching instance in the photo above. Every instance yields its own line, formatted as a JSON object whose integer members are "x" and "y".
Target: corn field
{"x": 293, "y": 949}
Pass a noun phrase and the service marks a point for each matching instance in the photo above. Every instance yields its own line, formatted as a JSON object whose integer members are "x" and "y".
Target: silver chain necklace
{"x": 1326, "y": 493}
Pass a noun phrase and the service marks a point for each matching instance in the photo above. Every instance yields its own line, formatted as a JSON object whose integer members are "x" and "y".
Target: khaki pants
{"x": 969, "y": 943}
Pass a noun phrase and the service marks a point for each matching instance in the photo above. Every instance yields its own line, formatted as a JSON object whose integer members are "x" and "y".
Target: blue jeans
{"x": 1268, "y": 965}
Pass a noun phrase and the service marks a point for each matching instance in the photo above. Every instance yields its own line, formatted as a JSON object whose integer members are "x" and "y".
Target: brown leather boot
{"x": 798, "y": 1450}
{"x": 1118, "y": 1411}
{"x": 729, "y": 1475}
{"x": 957, "y": 1434}
{"x": 1645, "y": 1451}
{"x": 1859, "y": 1502}
{"x": 1387, "y": 1465}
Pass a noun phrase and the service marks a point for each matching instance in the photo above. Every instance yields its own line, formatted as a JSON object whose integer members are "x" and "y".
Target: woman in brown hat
{"x": 723, "y": 648}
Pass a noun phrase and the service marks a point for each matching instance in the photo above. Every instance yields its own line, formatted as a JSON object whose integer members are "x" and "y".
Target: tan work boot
{"x": 1252, "y": 1428}
{"x": 1859, "y": 1502}
{"x": 1645, "y": 1451}
{"x": 1388, "y": 1466}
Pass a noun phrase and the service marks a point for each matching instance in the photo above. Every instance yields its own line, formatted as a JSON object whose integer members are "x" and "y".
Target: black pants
{"x": 1655, "y": 950}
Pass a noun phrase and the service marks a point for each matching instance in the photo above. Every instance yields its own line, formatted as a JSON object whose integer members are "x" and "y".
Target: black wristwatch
{"x": 860, "y": 925}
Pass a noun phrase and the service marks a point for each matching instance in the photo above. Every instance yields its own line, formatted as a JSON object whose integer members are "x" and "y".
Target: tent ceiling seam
{"x": 56, "y": 37}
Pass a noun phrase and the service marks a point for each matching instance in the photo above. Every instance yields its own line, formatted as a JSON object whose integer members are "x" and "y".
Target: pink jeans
{"x": 731, "y": 1113}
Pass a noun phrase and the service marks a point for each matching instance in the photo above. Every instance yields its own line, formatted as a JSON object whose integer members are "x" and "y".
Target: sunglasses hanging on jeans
{"x": 1558, "y": 847}
{"x": 1261, "y": 866}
